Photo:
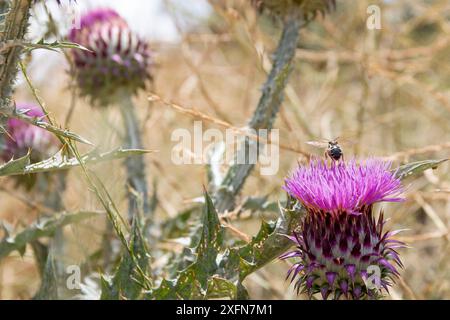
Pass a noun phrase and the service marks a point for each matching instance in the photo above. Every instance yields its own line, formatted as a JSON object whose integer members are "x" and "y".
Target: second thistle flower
{"x": 21, "y": 138}
{"x": 118, "y": 58}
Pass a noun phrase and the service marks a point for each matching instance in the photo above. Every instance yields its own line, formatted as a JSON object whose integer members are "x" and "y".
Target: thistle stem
{"x": 266, "y": 111}
{"x": 14, "y": 27}
{"x": 51, "y": 188}
{"x": 138, "y": 194}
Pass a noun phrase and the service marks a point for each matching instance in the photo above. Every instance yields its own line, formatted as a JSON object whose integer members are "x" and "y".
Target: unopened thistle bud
{"x": 308, "y": 8}
{"x": 342, "y": 250}
{"x": 118, "y": 59}
{"x": 21, "y": 137}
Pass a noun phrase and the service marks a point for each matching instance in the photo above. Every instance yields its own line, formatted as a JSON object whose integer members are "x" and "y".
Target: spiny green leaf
{"x": 164, "y": 292}
{"x": 14, "y": 166}
{"x": 106, "y": 285}
{"x": 185, "y": 287}
{"x": 21, "y": 115}
{"x": 62, "y": 162}
{"x": 212, "y": 232}
{"x": 219, "y": 288}
{"x": 194, "y": 281}
{"x": 210, "y": 243}
{"x": 416, "y": 168}
{"x": 53, "y": 46}
{"x": 42, "y": 44}
{"x": 44, "y": 227}
{"x": 126, "y": 282}
{"x": 176, "y": 227}
{"x": 218, "y": 272}
{"x": 271, "y": 240}
{"x": 252, "y": 253}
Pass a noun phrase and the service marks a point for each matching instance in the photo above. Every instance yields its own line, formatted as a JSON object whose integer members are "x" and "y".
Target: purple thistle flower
{"x": 340, "y": 242}
{"x": 344, "y": 186}
{"x": 118, "y": 59}
{"x": 21, "y": 137}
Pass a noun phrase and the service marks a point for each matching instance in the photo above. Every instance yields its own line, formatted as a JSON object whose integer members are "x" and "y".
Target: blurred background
{"x": 386, "y": 90}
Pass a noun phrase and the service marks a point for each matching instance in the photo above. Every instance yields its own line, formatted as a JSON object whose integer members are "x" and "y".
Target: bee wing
{"x": 318, "y": 144}
{"x": 346, "y": 142}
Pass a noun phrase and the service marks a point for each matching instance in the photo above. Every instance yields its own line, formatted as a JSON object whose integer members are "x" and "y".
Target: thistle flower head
{"x": 118, "y": 59}
{"x": 341, "y": 248}
{"x": 309, "y": 8}
{"x": 344, "y": 186}
{"x": 21, "y": 137}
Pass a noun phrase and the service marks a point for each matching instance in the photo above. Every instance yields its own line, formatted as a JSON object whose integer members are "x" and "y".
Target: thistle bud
{"x": 341, "y": 248}
{"x": 309, "y": 8}
{"x": 118, "y": 59}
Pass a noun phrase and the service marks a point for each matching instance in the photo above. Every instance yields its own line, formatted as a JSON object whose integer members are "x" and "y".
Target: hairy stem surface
{"x": 14, "y": 26}
{"x": 138, "y": 194}
{"x": 266, "y": 111}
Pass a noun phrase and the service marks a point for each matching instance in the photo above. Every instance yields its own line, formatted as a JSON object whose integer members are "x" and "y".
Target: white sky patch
{"x": 150, "y": 18}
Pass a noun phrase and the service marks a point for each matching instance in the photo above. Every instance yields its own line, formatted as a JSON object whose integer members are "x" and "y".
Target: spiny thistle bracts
{"x": 118, "y": 59}
{"x": 340, "y": 242}
{"x": 309, "y": 8}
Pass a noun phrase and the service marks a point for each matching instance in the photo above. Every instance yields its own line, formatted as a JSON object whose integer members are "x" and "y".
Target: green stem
{"x": 266, "y": 111}
{"x": 138, "y": 194}
{"x": 14, "y": 27}
{"x": 51, "y": 187}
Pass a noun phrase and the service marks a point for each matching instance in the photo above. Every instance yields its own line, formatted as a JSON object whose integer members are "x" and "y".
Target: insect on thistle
{"x": 333, "y": 148}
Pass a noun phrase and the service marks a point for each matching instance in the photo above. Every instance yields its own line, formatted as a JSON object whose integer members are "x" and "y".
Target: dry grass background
{"x": 387, "y": 90}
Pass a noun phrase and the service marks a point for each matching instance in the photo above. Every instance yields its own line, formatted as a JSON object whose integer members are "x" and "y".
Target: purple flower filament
{"x": 344, "y": 186}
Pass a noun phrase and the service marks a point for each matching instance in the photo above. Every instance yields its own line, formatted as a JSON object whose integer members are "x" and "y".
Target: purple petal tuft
{"x": 344, "y": 186}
